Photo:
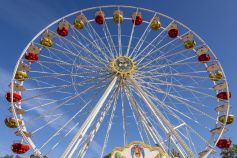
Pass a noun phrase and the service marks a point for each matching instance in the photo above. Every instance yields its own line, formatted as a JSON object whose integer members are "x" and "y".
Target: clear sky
{"x": 20, "y": 20}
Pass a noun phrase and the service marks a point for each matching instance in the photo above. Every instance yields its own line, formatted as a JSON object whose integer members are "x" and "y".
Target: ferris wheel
{"x": 102, "y": 77}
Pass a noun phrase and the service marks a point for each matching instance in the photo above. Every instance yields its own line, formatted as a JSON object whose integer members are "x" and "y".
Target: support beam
{"x": 145, "y": 121}
{"x": 85, "y": 126}
{"x": 184, "y": 150}
{"x": 85, "y": 147}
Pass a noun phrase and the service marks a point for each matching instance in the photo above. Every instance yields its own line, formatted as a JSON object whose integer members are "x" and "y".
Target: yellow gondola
{"x": 216, "y": 76}
{"x": 80, "y": 21}
{"x": 21, "y": 76}
{"x": 47, "y": 39}
{"x": 155, "y": 23}
{"x": 230, "y": 119}
{"x": 12, "y": 122}
{"x": 189, "y": 42}
{"x": 118, "y": 16}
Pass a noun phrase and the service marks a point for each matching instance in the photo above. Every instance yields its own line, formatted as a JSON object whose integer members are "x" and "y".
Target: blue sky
{"x": 214, "y": 20}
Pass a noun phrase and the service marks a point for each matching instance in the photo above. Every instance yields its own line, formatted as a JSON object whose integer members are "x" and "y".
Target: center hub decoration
{"x": 123, "y": 66}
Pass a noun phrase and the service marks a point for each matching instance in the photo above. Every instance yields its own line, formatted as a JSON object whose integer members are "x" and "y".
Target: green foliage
{"x": 108, "y": 156}
{"x": 230, "y": 152}
{"x": 8, "y": 156}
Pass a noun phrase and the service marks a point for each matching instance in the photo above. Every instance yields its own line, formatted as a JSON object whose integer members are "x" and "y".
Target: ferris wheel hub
{"x": 123, "y": 66}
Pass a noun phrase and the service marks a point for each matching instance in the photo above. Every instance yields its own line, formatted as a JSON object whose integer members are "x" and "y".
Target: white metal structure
{"x": 108, "y": 84}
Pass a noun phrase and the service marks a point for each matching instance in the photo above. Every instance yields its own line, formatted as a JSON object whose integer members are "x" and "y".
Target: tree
{"x": 108, "y": 156}
{"x": 8, "y": 156}
{"x": 229, "y": 152}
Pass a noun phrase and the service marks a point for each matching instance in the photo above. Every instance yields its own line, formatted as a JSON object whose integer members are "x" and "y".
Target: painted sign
{"x": 138, "y": 150}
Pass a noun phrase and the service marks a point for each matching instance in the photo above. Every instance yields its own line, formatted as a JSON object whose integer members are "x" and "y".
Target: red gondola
{"x": 31, "y": 57}
{"x": 62, "y": 32}
{"x": 204, "y": 58}
{"x": 20, "y": 148}
{"x": 63, "y": 28}
{"x": 100, "y": 17}
{"x": 223, "y": 95}
{"x": 137, "y": 18}
{"x": 173, "y": 33}
{"x": 172, "y": 30}
{"x": 16, "y": 97}
{"x": 223, "y": 143}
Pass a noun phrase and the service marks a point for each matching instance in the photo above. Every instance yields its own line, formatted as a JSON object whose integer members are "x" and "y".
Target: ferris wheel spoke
{"x": 185, "y": 102}
{"x": 169, "y": 108}
{"x": 59, "y": 66}
{"x": 153, "y": 133}
{"x": 54, "y": 75}
{"x": 158, "y": 49}
{"x": 47, "y": 124}
{"x": 179, "y": 73}
{"x": 98, "y": 58}
{"x": 165, "y": 106}
{"x": 66, "y": 124}
{"x": 82, "y": 131}
{"x": 96, "y": 79}
{"x": 109, "y": 39}
{"x": 163, "y": 56}
{"x": 97, "y": 36}
{"x": 131, "y": 36}
{"x": 48, "y": 111}
{"x": 142, "y": 38}
{"x": 78, "y": 40}
{"x": 160, "y": 35}
{"x": 154, "y": 88}
{"x": 191, "y": 142}
{"x": 167, "y": 55}
{"x": 51, "y": 58}
{"x": 72, "y": 118}
{"x": 134, "y": 116}
{"x": 46, "y": 104}
{"x": 194, "y": 93}
{"x": 54, "y": 86}
{"x": 81, "y": 66}
{"x": 63, "y": 87}
{"x": 182, "y": 75}
{"x": 83, "y": 149}
{"x": 119, "y": 38}
{"x": 183, "y": 148}
{"x": 61, "y": 43}
{"x": 161, "y": 66}
{"x": 92, "y": 42}
{"x": 125, "y": 136}
{"x": 159, "y": 82}
{"x": 185, "y": 124}
{"x": 51, "y": 70}
{"x": 68, "y": 52}
{"x": 62, "y": 138}
{"x": 109, "y": 125}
